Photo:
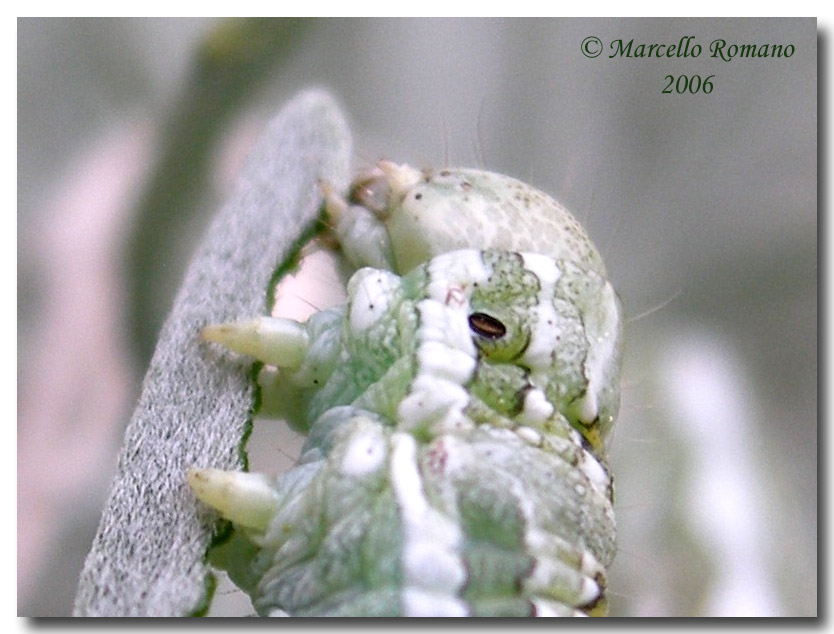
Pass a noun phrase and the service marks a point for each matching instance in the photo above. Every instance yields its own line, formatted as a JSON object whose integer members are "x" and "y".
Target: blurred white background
{"x": 704, "y": 207}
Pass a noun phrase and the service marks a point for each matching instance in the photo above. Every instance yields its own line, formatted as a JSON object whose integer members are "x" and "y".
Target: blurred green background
{"x": 130, "y": 133}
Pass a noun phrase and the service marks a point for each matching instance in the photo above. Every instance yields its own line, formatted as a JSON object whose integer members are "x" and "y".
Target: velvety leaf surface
{"x": 147, "y": 558}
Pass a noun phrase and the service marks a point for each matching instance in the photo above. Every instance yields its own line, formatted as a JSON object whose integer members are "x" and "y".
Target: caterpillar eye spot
{"x": 486, "y": 326}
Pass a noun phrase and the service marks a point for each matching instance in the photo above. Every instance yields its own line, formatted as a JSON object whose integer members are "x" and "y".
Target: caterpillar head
{"x": 397, "y": 217}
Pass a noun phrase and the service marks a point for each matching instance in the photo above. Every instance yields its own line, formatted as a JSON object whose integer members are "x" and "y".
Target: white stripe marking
{"x": 430, "y": 560}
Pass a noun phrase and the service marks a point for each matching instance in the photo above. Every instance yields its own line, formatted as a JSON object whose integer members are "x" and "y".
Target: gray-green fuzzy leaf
{"x": 147, "y": 558}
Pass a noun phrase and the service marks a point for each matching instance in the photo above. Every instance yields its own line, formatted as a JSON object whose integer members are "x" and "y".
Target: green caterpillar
{"x": 456, "y": 414}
